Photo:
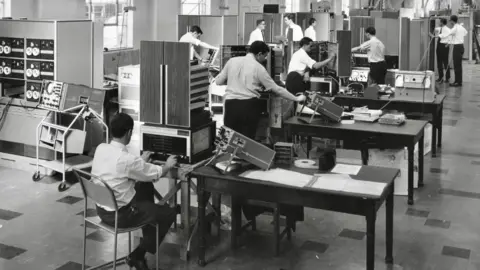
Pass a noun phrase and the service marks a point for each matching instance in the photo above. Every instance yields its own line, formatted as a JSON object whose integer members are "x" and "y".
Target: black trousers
{"x": 378, "y": 71}
{"x": 458, "y": 51}
{"x": 443, "y": 67}
{"x": 243, "y": 115}
{"x": 142, "y": 210}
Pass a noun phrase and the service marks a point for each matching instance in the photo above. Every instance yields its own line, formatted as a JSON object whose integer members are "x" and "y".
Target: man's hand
{"x": 354, "y": 49}
{"x": 146, "y": 156}
{"x": 301, "y": 98}
{"x": 171, "y": 162}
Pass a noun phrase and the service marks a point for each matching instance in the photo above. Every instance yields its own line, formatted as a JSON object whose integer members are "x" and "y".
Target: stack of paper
{"x": 279, "y": 176}
{"x": 344, "y": 183}
{"x": 366, "y": 115}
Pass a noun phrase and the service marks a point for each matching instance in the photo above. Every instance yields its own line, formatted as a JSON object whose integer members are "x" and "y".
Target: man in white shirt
{"x": 131, "y": 179}
{"x": 376, "y": 56}
{"x": 193, "y": 37}
{"x": 258, "y": 34}
{"x": 299, "y": 65}
{"x": 443, "y": 49}
{"x": 457, "y": 34}
{"x": 297, "y": 30}
{"x": 310, "y": 32}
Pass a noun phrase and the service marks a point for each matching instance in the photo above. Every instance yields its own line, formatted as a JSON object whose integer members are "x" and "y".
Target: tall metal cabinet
{"x": 217, "y": 30}
{"x": 170, "y": 89}
{"x": 357, "y": 26}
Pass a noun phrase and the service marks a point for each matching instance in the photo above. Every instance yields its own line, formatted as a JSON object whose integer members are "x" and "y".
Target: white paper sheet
{"x": 346, "y": 169}
{"x": 279, "y": 176}
{"x": 344, "y": 183}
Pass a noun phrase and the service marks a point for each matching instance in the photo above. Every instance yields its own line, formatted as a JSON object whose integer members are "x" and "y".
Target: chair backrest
{"x": 100, "y": 193}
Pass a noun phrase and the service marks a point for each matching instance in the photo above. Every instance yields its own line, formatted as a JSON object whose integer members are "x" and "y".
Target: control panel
{"x": 39, "y": 70}
{"x": 359, "y": 75}
{"x": 33, "y": 91}
{"x": 51, "y": 94}
{"x": 419, "y": 81}
{"x": 12, "y": 47}
{"x": 40, "y": 49}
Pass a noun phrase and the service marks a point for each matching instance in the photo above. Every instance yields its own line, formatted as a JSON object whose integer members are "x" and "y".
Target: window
{"x": 118, "y": 24}
{"x": 196, "y": 7}
{"x": 2, "y": 8}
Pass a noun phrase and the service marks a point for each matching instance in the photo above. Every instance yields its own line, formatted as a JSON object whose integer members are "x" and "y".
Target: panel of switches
{"x": 51, "y": 95}
{"x": 33, "y": 91}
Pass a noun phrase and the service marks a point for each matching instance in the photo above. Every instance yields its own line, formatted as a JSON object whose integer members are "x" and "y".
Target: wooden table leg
{"x": 435, "y": 132}
{"x": 201, "y": 221}
{"x": 276, "y": 229}
{"x": 420, "y": 160}
{"x": 371, "y": 217}
{"x": 440, "y": 126}
{"x": 216, "y": 204}
{"x": 185, "y": 224}
{"x": 411, "y": 149}
{"x": 236, "y": 222}
{"x": 389, "y": 226}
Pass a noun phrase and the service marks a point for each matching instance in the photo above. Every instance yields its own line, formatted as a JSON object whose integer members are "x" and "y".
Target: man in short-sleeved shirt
{"x": 245, "y": 77}
{"x": 310, "y": 32}
{"x": 376, "y": 56}
{"x": 457, "y": 40}
{"x": 192, "y": 37}
{"x": 258, "y": 34}
{"x": 301, "y": 63}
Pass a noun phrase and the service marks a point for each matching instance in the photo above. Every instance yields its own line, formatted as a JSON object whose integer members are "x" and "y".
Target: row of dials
{"x": 29, "y": 48}
{"x": 28, "y": 70}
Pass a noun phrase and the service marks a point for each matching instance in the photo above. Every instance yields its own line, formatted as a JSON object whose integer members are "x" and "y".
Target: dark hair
{"x": 120, "y": 124}
{"x": 196, "y": 29}
{"x": 305, "y": 41}
{"x": 371, "y": 30}
{"x": 259, "y": 47}
{"x": 443, "y": 21}
{"x": 289, "y": 16}
{"x": 454, "y": 18}
{"x": 260, "y": 21}
{"x": 311, "y": 21}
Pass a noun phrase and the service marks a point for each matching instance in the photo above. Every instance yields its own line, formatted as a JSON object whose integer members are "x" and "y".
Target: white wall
{"x": 46, "y": 9}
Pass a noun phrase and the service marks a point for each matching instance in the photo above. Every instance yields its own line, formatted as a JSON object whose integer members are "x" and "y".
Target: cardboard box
{"x": 396, "y": 158}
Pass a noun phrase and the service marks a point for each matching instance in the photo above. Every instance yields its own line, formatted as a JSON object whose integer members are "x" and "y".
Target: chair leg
{"x": 158, "y": 255}
{"x": 129, "y": 245}
{"x": 84, "y": 244}
{"x": 115, "y": 252}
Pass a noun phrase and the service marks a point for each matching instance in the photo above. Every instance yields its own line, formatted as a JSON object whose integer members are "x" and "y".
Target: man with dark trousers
{"x": 457, "y": 34}
{"x": 131, "y": 179}
{"x": 244, "y": 77}
{"x": 376, "y": 56}
{"x": 443, "y": 50}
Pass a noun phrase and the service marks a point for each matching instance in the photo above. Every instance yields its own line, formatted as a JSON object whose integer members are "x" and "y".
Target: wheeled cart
{"x": 65, "y": 139}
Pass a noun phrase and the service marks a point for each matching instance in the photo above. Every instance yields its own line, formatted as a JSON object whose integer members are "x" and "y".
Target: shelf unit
{"x": 58, "y": 137}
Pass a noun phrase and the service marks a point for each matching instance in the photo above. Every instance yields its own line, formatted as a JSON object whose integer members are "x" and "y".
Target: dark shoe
{"x": 455, "y": 84}
{"x": 440, "y": 80}
{"x": 138, "y": 264}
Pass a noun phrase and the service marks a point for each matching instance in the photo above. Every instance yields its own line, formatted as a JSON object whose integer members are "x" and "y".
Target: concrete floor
{"x": 41, "y": 228}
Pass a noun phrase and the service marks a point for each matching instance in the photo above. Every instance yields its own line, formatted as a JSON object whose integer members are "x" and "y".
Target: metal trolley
{"x": 61, "y": 139}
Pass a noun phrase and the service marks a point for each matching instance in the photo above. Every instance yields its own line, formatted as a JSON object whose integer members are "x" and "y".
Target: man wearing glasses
{"x": 258, "y": 34}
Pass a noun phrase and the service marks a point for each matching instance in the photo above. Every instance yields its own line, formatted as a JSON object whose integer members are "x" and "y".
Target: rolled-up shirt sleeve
{"x": 139, "y": 170}
{"x": 308, "y": 61}
{"x": 366, "y": 45}
{"x": 221, "y": 78}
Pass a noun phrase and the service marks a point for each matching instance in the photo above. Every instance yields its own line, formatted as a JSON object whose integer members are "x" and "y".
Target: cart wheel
{"x": 36, "y": 176}
{"x": 63, "y": 186}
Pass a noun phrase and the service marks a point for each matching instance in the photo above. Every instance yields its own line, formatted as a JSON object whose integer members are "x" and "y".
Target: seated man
{"x": 131, "y": 178}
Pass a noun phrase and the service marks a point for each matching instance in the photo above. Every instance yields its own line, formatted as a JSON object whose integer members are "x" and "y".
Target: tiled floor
{"x": 41, "y": 228}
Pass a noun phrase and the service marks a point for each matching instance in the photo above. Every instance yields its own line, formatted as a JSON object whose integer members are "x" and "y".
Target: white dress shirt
{"x": 119, "y": 169}
{"x": 255, "y": 35}
{"x": 445, "y": 31}
{"x": 311, "y": 33}
{"x": 375, "y": 50}
{"x": 300, "y": 61}
{"x": 457, "y": 34}
{"x": 297, "y": 32}
{"x": 189, "y": 38}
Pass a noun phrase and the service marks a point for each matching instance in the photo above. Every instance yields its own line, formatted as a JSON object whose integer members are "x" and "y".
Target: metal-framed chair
{"x": 103, "y": 195}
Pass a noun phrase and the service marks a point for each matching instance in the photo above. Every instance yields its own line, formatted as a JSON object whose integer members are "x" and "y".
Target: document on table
{"x": 344, "y": 183}
{"x": 279, "y": 176}
{"x": 346, "y": 169}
